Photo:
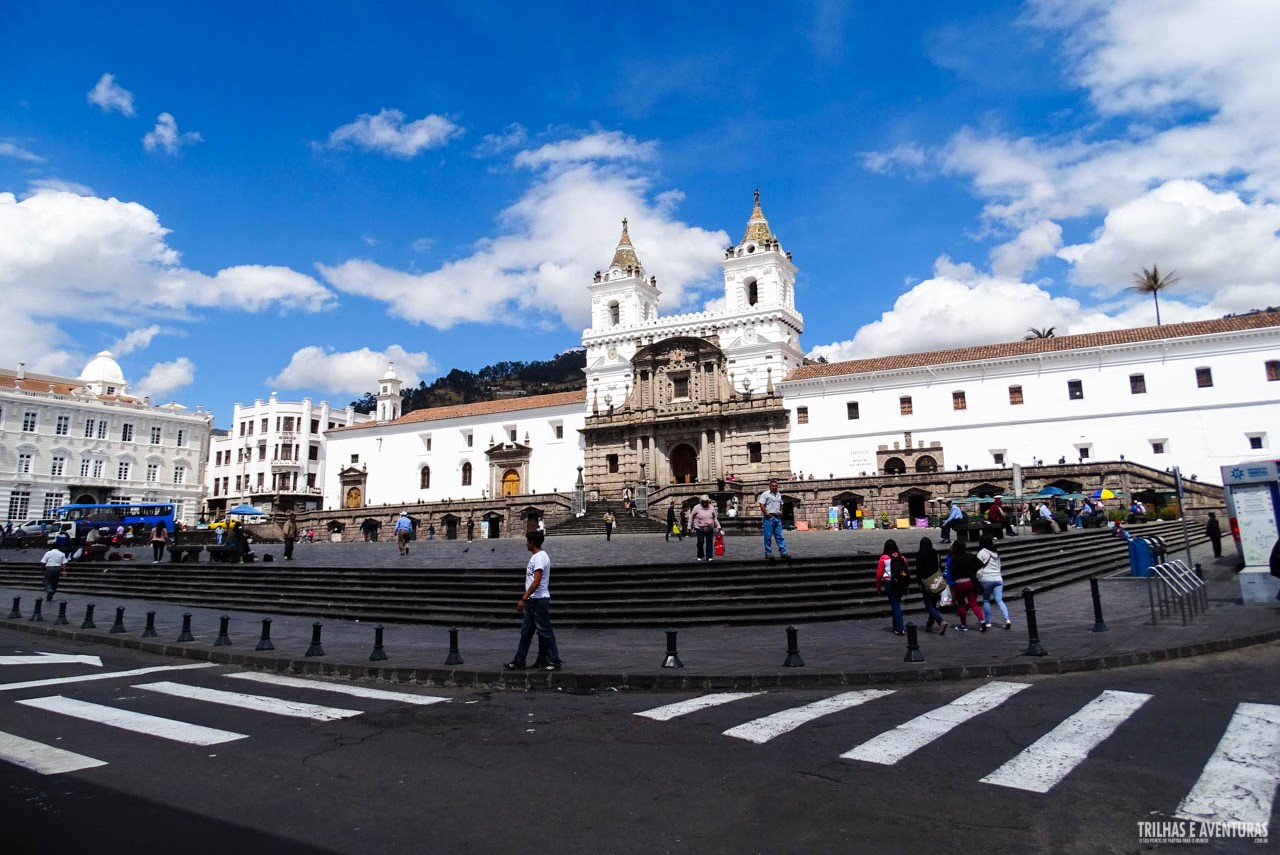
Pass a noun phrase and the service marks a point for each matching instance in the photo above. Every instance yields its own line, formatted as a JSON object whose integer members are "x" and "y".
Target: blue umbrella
{"x": 1051, "y": 491}
{"x": 247, "y": 511}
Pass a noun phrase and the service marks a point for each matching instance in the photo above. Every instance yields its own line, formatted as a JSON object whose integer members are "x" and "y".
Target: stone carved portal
{"x": 353, "y": 497}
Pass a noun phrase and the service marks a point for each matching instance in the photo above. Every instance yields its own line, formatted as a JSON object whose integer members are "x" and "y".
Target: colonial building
{"x": 274, "y": 455}
{"x": 86, "y": 439}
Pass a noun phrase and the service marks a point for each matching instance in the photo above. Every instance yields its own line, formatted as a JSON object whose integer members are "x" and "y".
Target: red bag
{"x": 719, "y": 544}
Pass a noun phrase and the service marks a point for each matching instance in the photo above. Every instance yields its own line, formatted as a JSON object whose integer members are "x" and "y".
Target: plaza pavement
{"x": 852, "y": 652}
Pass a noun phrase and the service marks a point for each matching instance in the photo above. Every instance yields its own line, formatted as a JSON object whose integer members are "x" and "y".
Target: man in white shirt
{"x": 536, "y": 608}
{"x": 54, "y": 561}
{"x": 771, "y": 508}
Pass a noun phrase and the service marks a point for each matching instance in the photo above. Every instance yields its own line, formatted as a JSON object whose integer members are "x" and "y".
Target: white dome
{"x": 391, "y": 372}
{"x": 103, "y": 369}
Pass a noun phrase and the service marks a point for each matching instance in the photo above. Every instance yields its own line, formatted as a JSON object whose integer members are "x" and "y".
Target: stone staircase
{"x": 724, "y": 593}
{"x": 593, "y": 522}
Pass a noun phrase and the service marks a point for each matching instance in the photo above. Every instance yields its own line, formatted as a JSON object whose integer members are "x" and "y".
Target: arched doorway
{"x": 353, "y": 497}
{"x": 915, "y": 500}
{"x": 684, "y": 464}
{"x": 86, "y": 499}
{"x": 510, "y": 483}
{"x": 926, "y": 464}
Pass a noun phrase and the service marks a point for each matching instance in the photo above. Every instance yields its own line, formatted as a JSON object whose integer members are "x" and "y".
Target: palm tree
{"x": 1151, "y": 282}
{"x": 1032, "y": 332}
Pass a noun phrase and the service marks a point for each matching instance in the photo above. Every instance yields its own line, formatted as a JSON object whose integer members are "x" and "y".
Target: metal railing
{"x": 1175, "y": 585}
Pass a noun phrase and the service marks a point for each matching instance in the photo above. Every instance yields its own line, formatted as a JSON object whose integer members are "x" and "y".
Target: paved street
{"x": 199, "y": 755}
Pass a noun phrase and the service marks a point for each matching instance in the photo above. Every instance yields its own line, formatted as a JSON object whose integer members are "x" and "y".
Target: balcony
{"x": 285, "y": 465}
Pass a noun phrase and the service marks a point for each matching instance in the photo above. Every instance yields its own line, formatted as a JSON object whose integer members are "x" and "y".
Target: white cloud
{"x": 59, "y": 184}
{"x": 552, "y": 241}
{"x": 8, "y": 149}
{"x": 60, "y": 250}
{"x": 512, "y": 136}
{"x": 1037, "y": 241}
{"x": 136, "y": 339}
{"x": 165, "y": 377}
{"x": 910, "y": 155}
{"x": 108, "y": 95}
{"x": 422, "y": 244}
{"x": 352, "y": 372}
{"x": 166, "y": 137}
{"x": 388, "y": 133}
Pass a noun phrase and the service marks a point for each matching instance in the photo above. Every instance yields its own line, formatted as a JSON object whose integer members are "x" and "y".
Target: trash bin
{"x": 1140, "y": 557}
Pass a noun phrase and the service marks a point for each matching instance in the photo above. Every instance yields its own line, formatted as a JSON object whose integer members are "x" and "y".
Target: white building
{"x": 1195, "y": 395}
{"x": 87, "y": 440}
{"x": 274, "y": 455}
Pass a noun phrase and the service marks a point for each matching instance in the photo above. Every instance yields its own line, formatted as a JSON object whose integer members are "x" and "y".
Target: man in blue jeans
{"x": 954, "y": 515}
{"x": 536, "y": 606}
{"x": 771, "y": 509}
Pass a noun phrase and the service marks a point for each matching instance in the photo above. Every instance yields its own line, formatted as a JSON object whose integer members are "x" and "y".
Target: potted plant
{"x": 885, "y": 520}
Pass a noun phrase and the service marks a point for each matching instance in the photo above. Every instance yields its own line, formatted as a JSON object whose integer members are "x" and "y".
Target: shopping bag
{"x": 719, "y": 544}
{"x": 944, "y": 599}
{"x": 675, "y": 528}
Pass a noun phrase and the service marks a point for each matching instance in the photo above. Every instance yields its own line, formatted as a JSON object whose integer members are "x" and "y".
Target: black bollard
{"x": 61, "y": 619}
{"x": 264, "y": 643}
{"x": 793, "y": 659}
{"x": 315, "y": 649}
{"x": 185, "y": 634}
{"x": 1098, "y": 624}
{"x": 88, "y": 618}
{"x": 223, "y": 639}
{"x": 913, "y": 645}
{"x": 118, "y": 626}
{"x": 1199, "y": 572}
{"x": 37, "y": 614}
{"x": 455, "y": 657}
{"x": 149, "y": 631}
{"x": 673, "y": 658}
{"x": 1034, "y": 648}
{"x": 378, "y": 653}
{"x": 16, "y": 614}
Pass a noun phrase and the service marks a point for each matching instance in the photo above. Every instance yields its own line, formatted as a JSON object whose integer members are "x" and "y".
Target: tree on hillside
{"x": 365, "y": 405}
{"x": 1032, "y": 332}
{"x": 1151, "y": 282}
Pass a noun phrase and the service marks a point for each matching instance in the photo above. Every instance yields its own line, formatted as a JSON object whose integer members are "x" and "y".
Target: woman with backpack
{"x": 991, "y": 581}
{"x": 893, "y": 576}
{"x": 962, "y": 573}
{"x": 926, "y": 567}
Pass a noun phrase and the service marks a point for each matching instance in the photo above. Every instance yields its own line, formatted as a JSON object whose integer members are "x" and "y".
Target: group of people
{"x": 703, "y": 523}
{"x": 961, "y": 576}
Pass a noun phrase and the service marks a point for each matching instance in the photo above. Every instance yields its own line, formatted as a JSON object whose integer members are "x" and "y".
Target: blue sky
{"x": 243, "y": 198}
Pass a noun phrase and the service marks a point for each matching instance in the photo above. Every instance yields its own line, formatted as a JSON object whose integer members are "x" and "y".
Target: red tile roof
{"x": 1027, "y": 347}
{"x": 480, "y": 408}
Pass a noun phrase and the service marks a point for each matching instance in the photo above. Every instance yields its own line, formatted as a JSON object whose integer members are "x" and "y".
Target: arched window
{"x": 926, "y": 464}
{"x": 466, "y": 474}
{"x": 894, "y": 466}
{"x": 614, "y": 313}
{"x": 753, "y": 292}
{"x": 424, "y": 478}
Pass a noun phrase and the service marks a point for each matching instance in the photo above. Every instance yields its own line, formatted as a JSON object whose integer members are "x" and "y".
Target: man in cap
{"x": 771, "y": 508}
{"x": 705, "y": 524}
{"x": 404, "y": 532}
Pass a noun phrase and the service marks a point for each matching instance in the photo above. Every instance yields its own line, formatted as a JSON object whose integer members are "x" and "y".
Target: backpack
{"x": 899, "y": 573}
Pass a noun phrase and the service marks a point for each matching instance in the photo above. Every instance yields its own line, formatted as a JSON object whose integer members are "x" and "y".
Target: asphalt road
{"x": 470, "y": 771}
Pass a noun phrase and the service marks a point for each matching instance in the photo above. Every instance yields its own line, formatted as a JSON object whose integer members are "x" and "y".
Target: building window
{"x": 1273, "y": 370}
{"x": 262, "y": 452}
{"x": 98, "y": 467}
{"x": 266, "y": 425}
{"x": 180, "y": 474}
{"x": 958, "y": 401}
{"x": 1075, "y": 390}
{"x": 288, "y": 424}
{"x": 802, "y": 415}
{"x": 851, "y": 410}
{"x": 753, "y": 452}
{"x": 1015, "y": 396}
{"x": 997, "y": 457}
{"x": 122, "y": 471}
{"x": 753, "y": 292}
{"x": 611, "y": 462}
{"x": 126, "y": 432}
{"x": 58, "y": 465}
{"x": 313, "y": 453}
{"x": 262, "y": 477}
{"x": 182, "y": 437}
{"x": 1158, "y": 446}
{"x": 355, "y": 458}
{"x": 29, "y": 421}
{"x": 559, "y": 431}
{"x": 904, "y": 405}
{"x": 19, "y": 505}
{"x": 89, "y": 426}
{"x": 249, "y": 429}
{"x": 1257, "y": 440}
{"x": 511, "y": 434}
{"x": 155, "y": 436}
{"x": 424, "y": 478}
{"x": 239, "y": 483}
{"x": 469, "y": 438}
{"x": 24, "y": 463}
{"x": 84, "y": 468}
{"x": 1137, "y": 384}
{"x": 613, "y": 313}
{"x": 1204, "y": 377}
{"x": 680, "y": 386}
{"x": 153, "y": 472}
{"x": 64, "y": 426}
{"x": 466, "y": 474}
{"x": 102, "y": 429}
{"x": 53, "y": 500}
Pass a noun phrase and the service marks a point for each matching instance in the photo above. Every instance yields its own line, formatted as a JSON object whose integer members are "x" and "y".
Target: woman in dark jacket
{"x": 926, "y": 566}
{"x": 962, "y": 568}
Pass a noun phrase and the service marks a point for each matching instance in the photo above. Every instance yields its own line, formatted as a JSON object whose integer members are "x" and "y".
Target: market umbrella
{"x": 1051, "y": 491}
{"x": 1104, "y": 493}
{"x": 246, "y": 511}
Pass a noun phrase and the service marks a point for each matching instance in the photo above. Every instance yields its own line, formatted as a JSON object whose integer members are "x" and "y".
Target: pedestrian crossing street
{"x": 1238, "y": 781}
{"x": 52, "y": 760}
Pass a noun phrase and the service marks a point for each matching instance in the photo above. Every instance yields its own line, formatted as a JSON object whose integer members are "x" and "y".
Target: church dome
{"x": 103, "y": 368}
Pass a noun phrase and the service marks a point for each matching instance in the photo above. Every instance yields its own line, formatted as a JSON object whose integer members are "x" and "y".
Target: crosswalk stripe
{"x": 354, "y": 691}
{"x": 45, "y": 759}
{"x": 904, "y": 740}
{"x": 1040, "y": 766}
{"x": 1239, "y": 781}
{"x": 258, "y": 703}
{"x": 110, "y": 675}
{"x": 762, "y": 730}
{"x": 151, "y": 725}
{"x": 702, "y": 702}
